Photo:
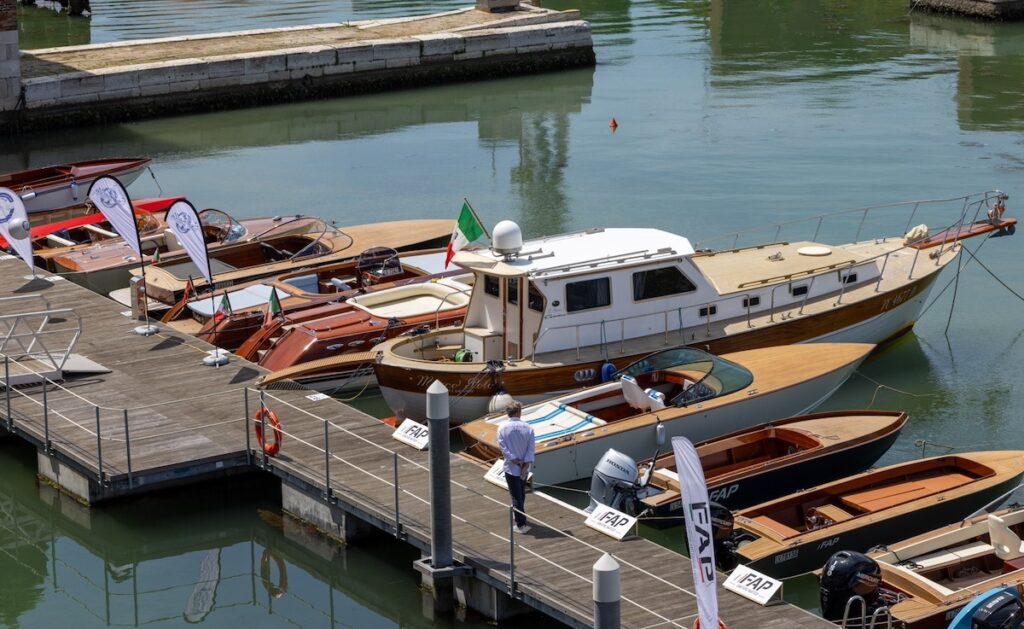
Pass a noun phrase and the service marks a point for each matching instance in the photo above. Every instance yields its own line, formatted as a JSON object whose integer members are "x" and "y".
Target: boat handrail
{"x": 978, "y": 199}
{"x": 643, "y": 254}
{"x": 437, "y": 311}
{"x": 992, "y": 503}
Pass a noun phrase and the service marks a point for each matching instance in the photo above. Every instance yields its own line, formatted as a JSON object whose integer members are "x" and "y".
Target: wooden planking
{"x": 553, "y": 561}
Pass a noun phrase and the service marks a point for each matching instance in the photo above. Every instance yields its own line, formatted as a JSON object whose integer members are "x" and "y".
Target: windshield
{"x": 706, "y": 376}
{"x": 221, "y": 225}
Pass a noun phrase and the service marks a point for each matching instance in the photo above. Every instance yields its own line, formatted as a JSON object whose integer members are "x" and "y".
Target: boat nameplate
{"x": 412, "y": 433}
{"x": 751, "y": 584}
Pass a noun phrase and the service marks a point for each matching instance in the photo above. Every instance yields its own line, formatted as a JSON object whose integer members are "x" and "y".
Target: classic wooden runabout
{"x": 53, "y": 187}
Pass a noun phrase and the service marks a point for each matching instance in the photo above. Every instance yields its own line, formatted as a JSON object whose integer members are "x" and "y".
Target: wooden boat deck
{"x": 177, "y": 441}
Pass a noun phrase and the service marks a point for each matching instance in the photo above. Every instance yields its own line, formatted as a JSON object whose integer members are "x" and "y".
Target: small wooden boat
{"x": 554, "y": 310}
{"x": 52, "y": 187}
{"x": 797, "y": 533}
{"x": 676, "y": 392}
{"x": 326, "y": 353}
{"x": 321, "y": 285}
{"x": 924, "y": 580}
{"x": 753, "y": 465}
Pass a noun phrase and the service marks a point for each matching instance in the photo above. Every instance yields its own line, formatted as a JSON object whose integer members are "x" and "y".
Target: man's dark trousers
{"x": 517, "y": 489}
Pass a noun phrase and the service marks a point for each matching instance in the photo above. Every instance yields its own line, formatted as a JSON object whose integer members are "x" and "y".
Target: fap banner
{"x": 697, "y": 511}
{"x": 110, "y": 197}
{"x": 14, "y": 225}
{"x": 183, "y": 220}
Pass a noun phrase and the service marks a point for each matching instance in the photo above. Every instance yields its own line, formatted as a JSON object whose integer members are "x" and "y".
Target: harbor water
{"x": 729, "y": 115}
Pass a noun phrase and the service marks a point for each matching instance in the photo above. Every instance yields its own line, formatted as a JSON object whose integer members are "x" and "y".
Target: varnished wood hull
{"x": 873, "y": 320}
{"x": 68, "y": 184}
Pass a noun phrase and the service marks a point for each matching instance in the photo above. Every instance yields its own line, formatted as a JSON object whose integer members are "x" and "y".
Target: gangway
{"x": 35, "y": 342}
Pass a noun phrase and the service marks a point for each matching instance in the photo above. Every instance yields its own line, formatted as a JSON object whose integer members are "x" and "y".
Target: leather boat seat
{"x": 634, "y": 395}
{"x": 171, "y": 241}
{"x": 1007, "y": 543}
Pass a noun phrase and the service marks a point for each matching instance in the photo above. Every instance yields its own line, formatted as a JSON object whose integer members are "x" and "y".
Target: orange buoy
{"x": 613, "y": 124}
{"x": 391, "y": 421}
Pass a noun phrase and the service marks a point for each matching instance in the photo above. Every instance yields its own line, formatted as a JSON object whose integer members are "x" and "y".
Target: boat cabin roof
{"x": 580, "y": 252}
{"x": 732, "y": 271}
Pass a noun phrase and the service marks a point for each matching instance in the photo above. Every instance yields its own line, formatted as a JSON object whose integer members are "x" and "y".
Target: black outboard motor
{"x": 847, "y": 574}
{"x": 1002, "y": 611}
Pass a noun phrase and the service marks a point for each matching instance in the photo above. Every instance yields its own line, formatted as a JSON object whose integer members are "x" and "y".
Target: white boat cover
{"x": 551, "y": 420}
{"x": 248, "y": 297}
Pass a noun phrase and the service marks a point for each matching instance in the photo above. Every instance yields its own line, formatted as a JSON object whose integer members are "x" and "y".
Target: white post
{"x": 10, "y": 56}
{"x": 607, "y": 593}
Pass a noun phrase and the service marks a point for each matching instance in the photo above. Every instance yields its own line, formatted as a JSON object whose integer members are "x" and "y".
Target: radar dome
{"x": 507, "y": 240}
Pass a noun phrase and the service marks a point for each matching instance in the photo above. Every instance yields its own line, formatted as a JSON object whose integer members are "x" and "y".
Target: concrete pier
{"x": 10, "y": 57}
{"x": 983, "y": 9}
{"x": 137, "y": 79}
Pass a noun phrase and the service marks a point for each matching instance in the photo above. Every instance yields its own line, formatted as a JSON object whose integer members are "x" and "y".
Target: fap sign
{"x": 496, "y": 475}
{"x": 610, "y": 522}
{"x": 413, "y": 434}
{"x": 753, "y": 585}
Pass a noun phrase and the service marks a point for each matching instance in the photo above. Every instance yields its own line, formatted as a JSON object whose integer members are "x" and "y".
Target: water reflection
{"x": 41, "y": 27}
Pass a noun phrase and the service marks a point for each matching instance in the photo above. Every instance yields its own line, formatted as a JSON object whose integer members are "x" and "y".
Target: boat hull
{"x": 62, "y": 195}
{"x": 874, "y": 320}
{"x": 811, "y": 554}
{"x": 757, "y": 488}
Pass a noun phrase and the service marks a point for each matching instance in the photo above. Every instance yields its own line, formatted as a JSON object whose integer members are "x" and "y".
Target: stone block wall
{"x": 10, "y": 56}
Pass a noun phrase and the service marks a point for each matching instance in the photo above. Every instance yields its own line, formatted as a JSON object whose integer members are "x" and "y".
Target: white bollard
{"x": 607, "y": 593}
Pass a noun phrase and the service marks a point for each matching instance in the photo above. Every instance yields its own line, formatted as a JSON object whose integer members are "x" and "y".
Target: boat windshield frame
{"x": 314, "y": 224}
{"x": 730, "y": 376}
{"x": 231, "y": 229}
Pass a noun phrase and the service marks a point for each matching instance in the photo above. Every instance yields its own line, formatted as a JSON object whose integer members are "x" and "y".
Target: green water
{"x": 730, "y": 114}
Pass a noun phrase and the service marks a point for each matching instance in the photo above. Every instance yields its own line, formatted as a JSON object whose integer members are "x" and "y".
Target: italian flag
{"x": 273, "y": 307}
{"x": 467, "y": 229}
{"x": 223, "y": 309}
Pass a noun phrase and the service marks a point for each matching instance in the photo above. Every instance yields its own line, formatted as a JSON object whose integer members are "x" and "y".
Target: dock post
{"x": 7, "y": 392}
{"x": 245, "y": 426}
{"x": 439, "y": 570}
{"x": 128, "y": 449}
{"x": 10, "y": 58}
{"x": 607, "y": 593}
{"x": 46, "y": 419}
{"x": 99, "y": 446}
{"x": 327, "y": 463}
{"x": 398, "y": 513}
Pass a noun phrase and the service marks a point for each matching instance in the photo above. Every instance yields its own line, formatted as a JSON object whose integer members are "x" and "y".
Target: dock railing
{"x": 403, "y": 520}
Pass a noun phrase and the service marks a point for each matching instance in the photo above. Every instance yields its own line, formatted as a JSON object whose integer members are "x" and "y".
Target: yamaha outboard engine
{"x": 847, "y": 574}
{"x": 998, "y": 608}
{"x": 614, "y": 482}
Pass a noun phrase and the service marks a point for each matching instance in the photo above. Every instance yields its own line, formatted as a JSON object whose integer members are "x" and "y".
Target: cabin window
{"x": 588, "y": 294}
{"x": 849, "y": 278}
{"x": 513, "y": 291}
{"x": 750, "y": 302}
{"x": 660, "y": 283}
{"x": 706, "y": 310}
{"x": 534, "y": 300}
{"x": 798, "y": 291}
{"x": 491, "y": 285}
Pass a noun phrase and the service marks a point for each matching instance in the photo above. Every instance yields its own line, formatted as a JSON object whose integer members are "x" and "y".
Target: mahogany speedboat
{"x": 374, "y": 269}
{"x": 797, "y": 533}
{"x": 676, "y": 392}
{"x": 925, "y": 580}
{"x": 553, "y": 312}
{"x": 752, "y": 465}
{"x": 52, "y": 187}
{"x": 326, "y": 353}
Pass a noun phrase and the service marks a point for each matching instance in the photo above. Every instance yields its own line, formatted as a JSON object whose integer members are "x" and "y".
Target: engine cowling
{"x": 1002, "y": 611}
{"x": 847, "y": 574}
{"x": 614, "y": 481}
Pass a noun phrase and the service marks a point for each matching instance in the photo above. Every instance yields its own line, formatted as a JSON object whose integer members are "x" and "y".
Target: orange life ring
{"x": 279, "y": 590}
{"x": 270, "y": 448}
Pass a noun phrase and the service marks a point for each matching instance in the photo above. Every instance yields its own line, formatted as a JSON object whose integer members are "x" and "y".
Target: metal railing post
{"x": 7, "y": 391}
{"x": 881, "y": 274}
{"x": 99, "y": 445}
{"x": 818, "y": 229}
{"x": 861, "y": 226}
{"x": 398, "y": 513}
{"x": 327, "y": 462}
{"x": 46, "y": 418}
{"x": 245, "y": 426}
{"x": 263, "y": 430}
{"x": 128, "y": 449}
{"x": 512, "y": 551}
{"x": 440, "y": 476}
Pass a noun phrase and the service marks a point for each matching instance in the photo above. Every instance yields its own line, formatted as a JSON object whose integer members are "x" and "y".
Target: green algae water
{"x": 730, "y": 114}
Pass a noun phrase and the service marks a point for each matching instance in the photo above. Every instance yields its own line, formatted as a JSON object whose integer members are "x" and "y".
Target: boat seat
{"x": 342, "y": 285}
{"x": 832, "y": 512}
{"x": 171, "y": 241}
{"x": 635, "y": 396}
{"x": 657, "y": 399}
{"x": 778, "y": 527}
{"x": 1007, "y": 543}
{"x": 951, "y": 556}
{"x": 96, "y": 229}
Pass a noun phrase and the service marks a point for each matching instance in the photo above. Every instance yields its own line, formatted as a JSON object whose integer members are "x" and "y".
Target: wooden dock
{"x": 187, "y": 422}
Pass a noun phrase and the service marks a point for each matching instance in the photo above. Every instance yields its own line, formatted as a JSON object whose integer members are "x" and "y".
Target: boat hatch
{"x": 552, "y": 420}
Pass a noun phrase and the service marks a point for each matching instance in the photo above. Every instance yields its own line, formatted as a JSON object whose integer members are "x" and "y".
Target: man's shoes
{"x": 522, "y": 529}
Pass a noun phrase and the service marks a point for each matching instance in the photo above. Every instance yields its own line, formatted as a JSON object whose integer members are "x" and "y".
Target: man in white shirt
{"x": 517, "y": 442}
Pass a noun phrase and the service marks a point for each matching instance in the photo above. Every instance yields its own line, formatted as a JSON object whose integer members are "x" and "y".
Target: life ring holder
{"x": 270, "y": 448}
{"x": 279, "y": 590}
